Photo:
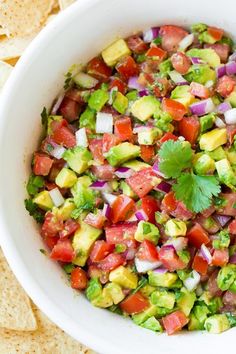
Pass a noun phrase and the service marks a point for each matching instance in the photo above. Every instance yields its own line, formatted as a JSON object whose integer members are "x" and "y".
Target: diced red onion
{"x": 177, "y": 78}
{"x": 133, "y": 218}
{"x": 203, "y": 107}
{"x": 104, "y": 123}
{"x": 57, "y": 104}
{"x": 219, "y": 123}
{"x": 151, "y": 34}
{"x": 56, "y": 197}
{"x": 196, "y": 60}
{"x": 58, "y": 152}
{"x": 106, "y": 211}
{"x": 178, "y": 243}
{"x": 186, "y": 42}
{"x": 134, "y": 84}
{"x": 192, "y": 281}
{"x": 143, "y": 92}
{"x": 206, "y": 253}
{"x": 223, "y": 107}
{"x": 231, "y": 68}
{"x": 232, "y": 57}
{"x": 140, "y": 128}
{"x": 123, "y": 172}
{"x": 232, "y": 259}
{"x": 220, "y": 71}
{"x": 81, "y": 137}
{"x": 160, "y": 270}
{"x": 143, "y": 266}
{"x": 84, "y": 80}
{"x": 222, "y": 219}
{"x": 163, "y": 187}
{"x": 109, "y": 198}
{"x": 230, "y": 115}
{"x": 100, "y": 186}
{"x": 156, "y": 169}
{"x": 130, "y": 254}
{"x": 141, "y": 215}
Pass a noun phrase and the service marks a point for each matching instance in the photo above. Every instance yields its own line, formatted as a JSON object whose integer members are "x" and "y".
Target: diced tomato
{"x": 221, "y": 49}
{"x": 118, "y": 233}
{"x": 79, "y": 279}
{"x": 108, "y": 141}
{"x": 51, "y": 241}
{"x": 134, "y": 303}
{"x": 220, "y": 257}
{"x": 99, "y": 69}
{"x": 136, "y": 44}
{"x": 199, "y": 90}
{"x": 142, "y": 182}
{"x": 56, "y": 168}
{"x": 225, "y": 85}
{"x": 212, "y": 284}
{"x": 69, "y": 229}
{"x": 197, "y": 236}
{"x": 100, "y": 250}
{"x": 162, "y": 87}
{"x": 181, "y": 212}
{"x": 63, "y": 251}
{"x": 147, "y": 152}
{"x": 77, "y": 95}
{"x": 127, "y": 67}
{"x": 170, "y": 259}
{"x": 123, "y": 129}
{"x": 42, "y": 164}
{"x": 150, "y": 205}
{"x": 121, "y": 85}
{"x": 51, "y": 225}
{"x": 216, "y": 33}
{"x": 209, "y": 211}
{"x": 200, "y": 264}
{"x": 169, "y": 202}
{"x": 189, "y": 128}
{"x": 104, "y": 172}
{"x": 69, "y": 109}
{"x": 148, "y": 252}
{"x": 232, "y": 227}
{"x": 174, "y": 108}
{"x": 95, "y": 146}
{"x": 156, "y": 52}
{"x": 181, "y": 62}
{"x": 111, "y": 262}
{"x": 122, "y": 208}
{"x": 230, "y": 200}
{"x": 229, "y": 298}
{"x": 174, "y": 322}
{"x": 231, "y": 132}
{"x": 96, "y": 220}
{"x": 168, "y": 136}
{"x": 210, "y": 225}
{"x": 62, "y": 135}
{"x": 171, "y": 36}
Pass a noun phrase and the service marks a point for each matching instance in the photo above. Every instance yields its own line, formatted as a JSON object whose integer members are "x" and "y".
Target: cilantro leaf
{"x": 44, "y": 117}
{"x": 34, "y": 211}
{"x": 175, "y": 157}
{"x": 196, "y": 191}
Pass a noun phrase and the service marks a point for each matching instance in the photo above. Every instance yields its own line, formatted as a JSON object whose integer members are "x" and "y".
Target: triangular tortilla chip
{"x": 14, "y": 47}
{"x": 65, "y": 3}
{"x": 15, "y": 308}
{"x": 22, "y": 17}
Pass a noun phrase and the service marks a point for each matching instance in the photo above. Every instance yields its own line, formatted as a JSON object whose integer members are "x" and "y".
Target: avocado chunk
{"x": 186, "y": 301}
{"x": 153, "y": 324}
{"x": 97, "y": 296}
{"x": 232, "y": 99}
{"x": 78, "y": 158}
{"x": 147, "y": 231}
{"x": 231, "y": 155}
{"x": 82, "y": 241}
{"x": 124, "y": 277}
{"x": 226, "y": 276}
{"x": 182, "y": 94}
{"x": 165, "y": 67}
{"x": 207, "y": 121}
{"x": 117, "y": 50}
{"x": 121, "y": 153}
{"x": 84, "y": 197}
{"x": 88, "y": 119}
{"x": 66, "y": 178}
{"x": 64, "y": 212}
{"x": 149, "y": 136}
{"x": 85, "y": 80}
{"x": 50, "y": 120}
{"x": 120, "y": 103}
{"x": 115, "y": 291}
{"x": 217, "y": 154}
{"x": 225, "y": 173}
{"x": 163, "y": 298}
{"x": 135, "y": 165}
{"x": 213, "y": 139}
{"x": 98, "y": 99}
{"x": 143, "y": 316}
{"x": 145, "y": 107}
{"x": 147, "y": 290}
{"x": 203, "y": 164}
{"x": 200, "y": 73}
{"x": 207, "y": 54}
{"x": 217, "y": 323}
{"x": 43, "y": 200}
{"x": 198, "y": 317}
{"x": 165, "y": 280}
{"x": 127, "y": 190}
{"x": 175, "y": 227}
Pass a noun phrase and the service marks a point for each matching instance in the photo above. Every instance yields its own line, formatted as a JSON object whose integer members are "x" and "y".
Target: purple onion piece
{"x": 141, "y": 215}
{"x": 99, "y": 185}
{"x": 232, "y": 259}
{"x": 221, "y": 71}
{"x": 231, "y": 68}
{"x": 143, "y": 92}
{"x": 123, "y": 172}
{"x": 203, "y": 107}
{"x": 222, "y": 219}
{"x": 151, "y": 34}
{"x": 134, "y": 84}
{"x": 156, "y": 169}
{"x": 196, "y": 60}
{"x": 57, "y": 104}
{"x": 206, "y": 254}
{"x": 160, "y": 270}
{"x": 106, "y": 211}
{"x": 163, "y": 187}
{"x": 223, "y": 107}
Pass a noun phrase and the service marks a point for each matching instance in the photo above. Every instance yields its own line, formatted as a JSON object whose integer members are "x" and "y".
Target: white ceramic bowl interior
{"x": 75, "y": 36}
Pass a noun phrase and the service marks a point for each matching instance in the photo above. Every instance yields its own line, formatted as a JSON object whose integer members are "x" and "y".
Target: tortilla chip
{"x": 47, "y": 339}
{"x": 14, "y": 47}
{"x": 22, "y": 17}
{"x": 12, "y": 61}
{"x": 65, "y": 3}
{"x": 15, "y": 308}
{"x": 5, "y": 70}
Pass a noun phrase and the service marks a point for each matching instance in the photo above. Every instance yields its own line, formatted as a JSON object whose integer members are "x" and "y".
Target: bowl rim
{"x": 23, "y": 275}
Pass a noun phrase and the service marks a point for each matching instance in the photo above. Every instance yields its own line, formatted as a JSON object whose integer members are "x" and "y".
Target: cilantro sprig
{"x": 195, "y": 191}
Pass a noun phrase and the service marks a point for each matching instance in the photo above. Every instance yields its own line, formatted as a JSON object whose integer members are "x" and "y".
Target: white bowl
{"x": 76, "y": 35}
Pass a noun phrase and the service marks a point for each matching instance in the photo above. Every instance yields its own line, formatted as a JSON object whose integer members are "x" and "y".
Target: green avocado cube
{"x": 149, "y": 136}
{"x": 104, "y": 300}
{"x": 117, "y": 50}
{"x": 207, "y": 121}
{"x": 163, "y": 299}
{"x": 213, "y": 139}
{"x": 217, "y": 323}
{"x": 147, "y": 231}
{"x": 208, "y": 55}
{"x": 143, "y": 316}
{"x": 88, "y": 119}
{"x": 98, "y": 99}
{"x": 43, "y": 200}
{"x": 217, "y": 154}
{"x": 78, "y": 158}
{"x": 182, "y": 95}
{"x": 135, "y": 165}
{"x": 226, "y": 276}
{"x": 165, "y": 280}
{"x": 186, "y": 301}
{"x": 82, "y": 242}
{"x": 64, "y": 212}
{"x": 66, "y": 178}
{"x": 84, "y": 80}
{"x": 94, "y": 289}
{"x": 124, "y": 277}
{"x": 225, "y": 172}
{"x": 145, "y": 107}
{"x": 203, "y": 164}
{"x": 153, "y": 324}
{"x": 127, "y": 190}
{"x": 121, "y": 153}
{"x": 232, "y": 99}
{"x": 175, "y": 227}
{"x": 200, "y": 73}
{"x": 115, "y": 291}
{"x": 120, "y": 103}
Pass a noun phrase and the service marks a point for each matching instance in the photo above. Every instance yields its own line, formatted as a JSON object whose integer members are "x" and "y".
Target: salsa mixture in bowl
{"x": 134, "y": 183}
